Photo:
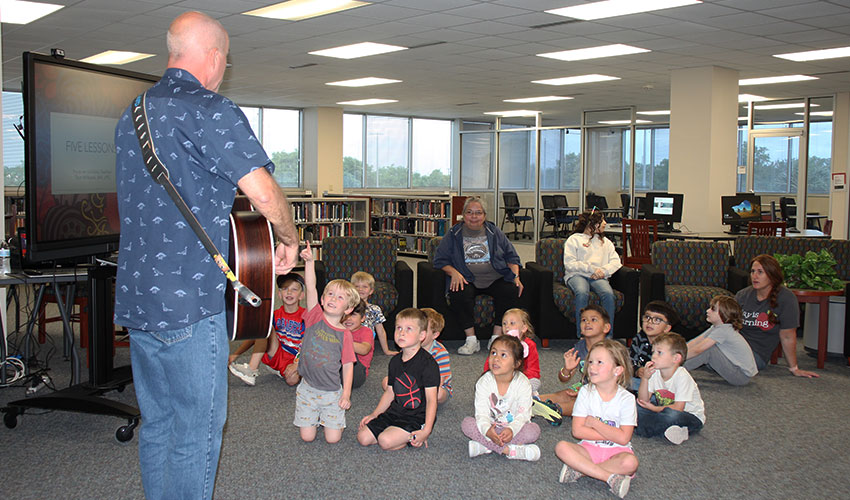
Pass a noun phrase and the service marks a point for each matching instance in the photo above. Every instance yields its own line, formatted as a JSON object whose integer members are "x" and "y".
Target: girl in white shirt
{"x": 604, "y": 418}
{"x": 502, "y": 421}
{"x": 589, "y": 260}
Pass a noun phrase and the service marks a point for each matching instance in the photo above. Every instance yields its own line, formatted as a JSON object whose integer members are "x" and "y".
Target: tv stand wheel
{"x": 10, "y": 419}
{"x": 125, "y": 432}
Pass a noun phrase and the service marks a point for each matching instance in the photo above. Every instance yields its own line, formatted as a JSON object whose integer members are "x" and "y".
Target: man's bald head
{"x": 195, "y": 40}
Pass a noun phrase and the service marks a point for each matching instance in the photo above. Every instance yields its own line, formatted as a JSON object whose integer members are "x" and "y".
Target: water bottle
{"x": 5, "y": 256}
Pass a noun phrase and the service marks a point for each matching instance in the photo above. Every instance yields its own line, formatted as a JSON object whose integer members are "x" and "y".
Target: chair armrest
{"x": 652, "y": 283}
{"x": 736, "y": 279}
{"x": 430, "y": 286}
{"x": 321, "y": 277}
{"x": 626, "y": 280}
{"x": 404, "y": 284}
{"x": 846, "y": 323}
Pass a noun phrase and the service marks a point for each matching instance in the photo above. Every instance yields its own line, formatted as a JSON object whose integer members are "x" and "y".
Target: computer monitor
{"x": 737, "y": 211}
{"x": 665, "y": 207}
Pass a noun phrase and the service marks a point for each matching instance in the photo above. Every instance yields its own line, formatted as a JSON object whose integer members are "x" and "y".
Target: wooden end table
{"x": 820, "y": 297}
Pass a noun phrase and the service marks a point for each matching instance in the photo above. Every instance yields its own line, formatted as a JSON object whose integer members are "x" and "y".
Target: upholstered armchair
{"x": 342, "y": 256}
{"x": 687, "y": 274}
{"x": 556, "y": 302}
{"x": 431, "y": 292}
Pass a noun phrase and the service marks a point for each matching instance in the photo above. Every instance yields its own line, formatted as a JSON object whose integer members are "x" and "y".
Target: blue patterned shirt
{"x": 166, "y": 280}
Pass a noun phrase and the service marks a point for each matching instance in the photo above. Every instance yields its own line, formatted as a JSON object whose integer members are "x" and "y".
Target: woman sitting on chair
{"x": 589, "y": 260}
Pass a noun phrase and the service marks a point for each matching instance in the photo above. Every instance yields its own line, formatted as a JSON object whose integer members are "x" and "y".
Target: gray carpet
{"x": 779, "y": 437}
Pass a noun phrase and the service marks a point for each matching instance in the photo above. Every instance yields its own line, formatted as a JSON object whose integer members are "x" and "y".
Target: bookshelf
{"x": 411, "y": 220}
{"x": 319, "y": 218}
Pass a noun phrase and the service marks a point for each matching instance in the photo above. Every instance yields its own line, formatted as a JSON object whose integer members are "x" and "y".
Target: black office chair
{"x": 625, "y": 200}
{"x": 512, "y": 209}
{"x": 566, "y": 214}
{"x": 788, "y": 211}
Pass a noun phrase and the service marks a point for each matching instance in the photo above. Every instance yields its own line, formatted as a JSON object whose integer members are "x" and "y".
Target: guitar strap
{"x": 159, "y": 173}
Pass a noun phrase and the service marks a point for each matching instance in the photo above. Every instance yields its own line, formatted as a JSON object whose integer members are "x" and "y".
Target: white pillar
{"x": 322, "y": 155}
{"x": 703, "y": 142}
{"x": 838, "y": 210}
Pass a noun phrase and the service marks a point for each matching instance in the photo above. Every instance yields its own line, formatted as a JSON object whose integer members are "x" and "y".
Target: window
{"x": 652, "y": 159}
{"x": 395, "y": 152}
{"x": 13, "y": 145}
{"x": 560, "y": 159}
{"x": 476, "y": 161}
{"x": 279, "y": 131}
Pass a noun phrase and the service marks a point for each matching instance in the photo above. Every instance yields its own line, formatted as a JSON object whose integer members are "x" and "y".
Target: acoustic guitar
{"x": 252, "y": 260}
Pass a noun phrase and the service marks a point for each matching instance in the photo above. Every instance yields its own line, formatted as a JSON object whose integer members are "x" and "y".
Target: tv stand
{"x": 86, "y": 397}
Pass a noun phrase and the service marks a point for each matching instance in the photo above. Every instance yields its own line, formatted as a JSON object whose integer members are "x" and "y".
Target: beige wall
{"x": 840, "y": 154}
{"x": 322, "y": 155}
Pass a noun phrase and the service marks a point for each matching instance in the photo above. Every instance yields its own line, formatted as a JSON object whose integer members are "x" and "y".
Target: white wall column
{"x": 703, "y": 142}
{"x": 838, "y": 210}
{"x": 322, "y": 155}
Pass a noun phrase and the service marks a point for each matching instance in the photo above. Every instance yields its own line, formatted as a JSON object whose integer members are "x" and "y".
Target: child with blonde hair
{"x": 604, "y": 418}
{"x": 502, "y": 421}
{"x": 722, "y": 347}
{"x": 365, "y": 285}
{"x": 517, "y": 323}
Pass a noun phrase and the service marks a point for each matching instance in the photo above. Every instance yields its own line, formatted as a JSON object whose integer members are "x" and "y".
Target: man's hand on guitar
{"x": 285, "y": 258}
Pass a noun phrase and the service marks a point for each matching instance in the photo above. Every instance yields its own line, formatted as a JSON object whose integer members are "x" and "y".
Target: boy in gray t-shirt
{"x": 721, "y": 347}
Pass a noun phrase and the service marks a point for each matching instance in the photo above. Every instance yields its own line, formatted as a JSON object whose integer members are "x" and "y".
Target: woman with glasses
{"x": 771, "y": 315}
{"x": 589, "y": 260}
{"x": 478, "y": 259}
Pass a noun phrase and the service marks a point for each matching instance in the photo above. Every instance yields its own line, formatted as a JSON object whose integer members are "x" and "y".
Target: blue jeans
{"x": 581, "y": 287}
{"x": 651, "y": 424}
{"x": 180, "y": 378}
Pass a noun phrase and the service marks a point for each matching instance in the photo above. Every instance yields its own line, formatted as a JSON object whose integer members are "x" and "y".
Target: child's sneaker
{"x": 619, "y": 484}
{"x": 244, "y": 372}
{"x": 569, "y": 475}
{"x": 548, "y": 410}
{"x": 676, "y": 434}
{"x": 470, "y": 347}
{"x": 476, "y": 449}
{"x": 528, "y": 452}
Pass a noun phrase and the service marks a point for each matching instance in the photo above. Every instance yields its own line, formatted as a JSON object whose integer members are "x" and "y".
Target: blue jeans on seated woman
{"x": 581, "y": 287}
{"x": 651, "y": 424}
{"x": 180, "y": 378}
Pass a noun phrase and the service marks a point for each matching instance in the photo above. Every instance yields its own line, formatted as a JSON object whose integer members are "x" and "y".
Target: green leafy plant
{"x": 813, "y": 271}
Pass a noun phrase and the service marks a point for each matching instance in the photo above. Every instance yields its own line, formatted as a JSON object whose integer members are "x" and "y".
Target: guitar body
{"x": 252, "y": 260}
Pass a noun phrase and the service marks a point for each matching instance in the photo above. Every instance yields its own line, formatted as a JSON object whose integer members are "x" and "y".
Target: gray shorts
{"x": 314, "y": 407}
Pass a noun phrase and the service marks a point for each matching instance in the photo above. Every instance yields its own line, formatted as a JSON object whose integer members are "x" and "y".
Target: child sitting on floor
{"x": 365, "y": 285}
{"x": 364, "y": 343}
{"x": 658, "y": 318}
{"x": 517, "y": 322}
{"x": 722, "y": 348}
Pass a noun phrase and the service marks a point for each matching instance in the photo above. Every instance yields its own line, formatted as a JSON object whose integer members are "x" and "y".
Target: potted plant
{"x": 812, "y": 271}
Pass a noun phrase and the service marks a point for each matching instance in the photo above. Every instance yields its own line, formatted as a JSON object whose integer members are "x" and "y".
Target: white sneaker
{"x": 619, "y": 484}
{"x": 490, "y": 342}
{"x": 528, "y": 452}
{"x": 476, "y": 449}
{"x": 470, "y": 347}
{"x": 676, "y": 434}
{"x": 244, "y": 372}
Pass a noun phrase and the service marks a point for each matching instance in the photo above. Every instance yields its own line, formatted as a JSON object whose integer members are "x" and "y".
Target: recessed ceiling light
{"x": 513, "y": 113}
{"x": 367, "y": 102}
{"x": 655, "y": 113}
{"x": 544, "y": 98}
{"x": 363, "y": 82}
{"x": 356, "y": 50}
{"x": 296, "y": 10}
{"x": 572, "y": 80}
{"x": 116, "y": 57}
{"x": 776, "y": 79}
{"x": 751, "y": 98}
{"x": 20, "y": 12}
{"x": 623, "y": 122}
{"x": 613, "y": 8}
{"x": 815, "y": 55}
{"x": 791, "y": 105}
{"x": 617, "y": 49}
{"x": 816, "y": 113}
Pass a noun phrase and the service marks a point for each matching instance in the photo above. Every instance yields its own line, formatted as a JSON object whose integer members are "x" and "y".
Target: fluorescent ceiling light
{"x": 816, "y": 113}
{"x": 742, "y": 118}
{"x": 296, "y": 10}
{"x": 776, "y": 79}
{"x": 622, "y": 122}
{"x": 356, "y": 50}
{"x": 363, "y": 82}
{"x": 544, "y": 98}
{"x": 655, "y": 113}
{"x": 513, "y": 113}
{"x": 750, "y": 98}
{"x": 617, "y": 49}
{"x": 613, "y": 8}
{"x": 791, "y": 105}
{"x": 815, "y": 55}
{"x": 572, "y": 80}
{"x": 116, "y": 57}
{"x": 367, "y": 102}
{"x": 20, "y": 12}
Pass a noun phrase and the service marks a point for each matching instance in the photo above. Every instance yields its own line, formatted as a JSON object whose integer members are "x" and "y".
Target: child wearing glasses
{"x": 658, "y": 318}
